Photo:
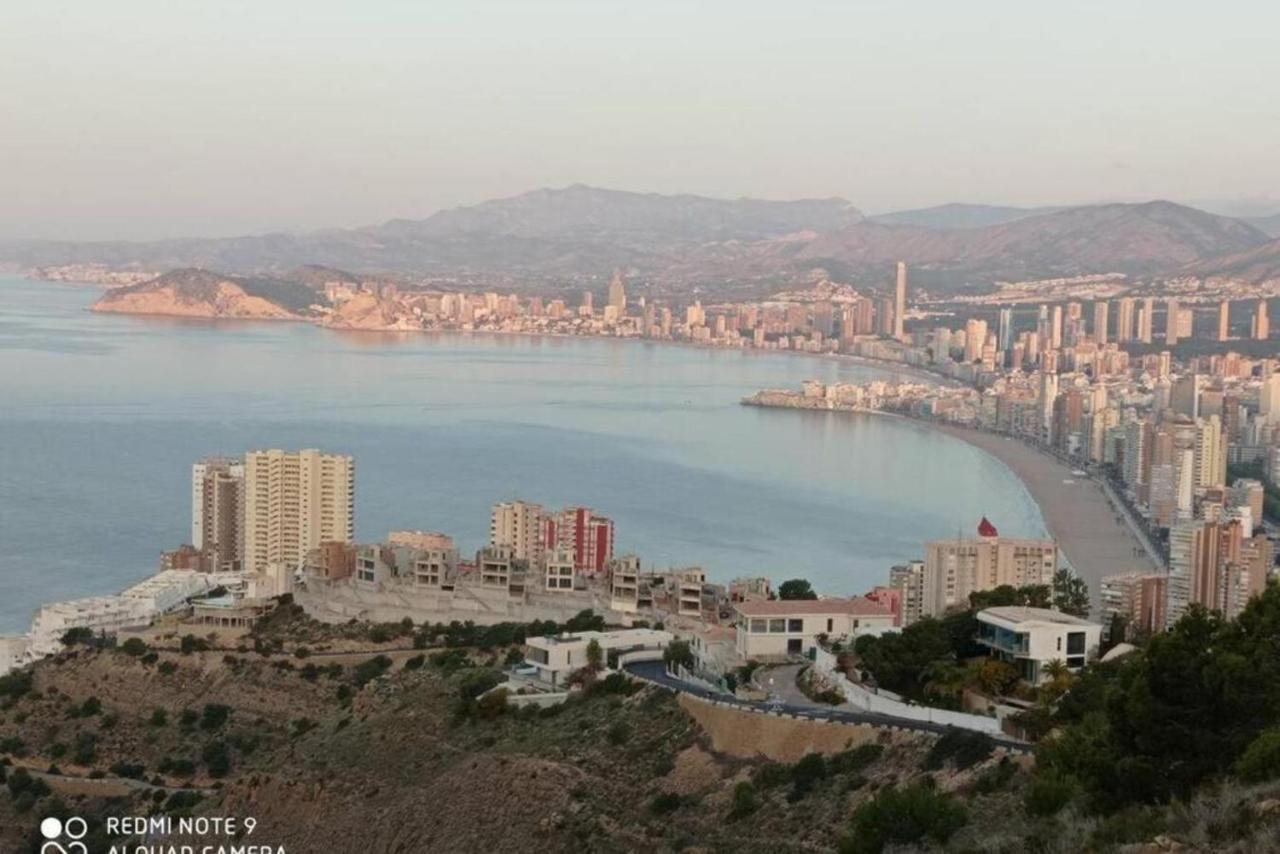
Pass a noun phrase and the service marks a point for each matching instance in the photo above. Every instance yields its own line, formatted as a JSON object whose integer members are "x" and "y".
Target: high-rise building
{"x": 1100, "y": 322}
{"x": 520, "y": 526}
{"x": 217, "y": 512}
{"x": 1005, "y": 343}
{"x": 618, "y": 293}
{"x": 1146, "y": 321}
{"x": 1124, "y": 319}
{"x": 1261, "y": 326}
{"x": 955, "y": 568}
{"x": 975, "y": 335}
{"x": 1200, "y": 556}
{"x": 1224, "y": 320}
{"x": 1171, "y": 322}
{"x": 900, "y": 301}
{"x": 1055, "y": 329}
{"x": 587, "y": 535}
{"x": 1139, "y": 599}
{"x": 294, "y": 501}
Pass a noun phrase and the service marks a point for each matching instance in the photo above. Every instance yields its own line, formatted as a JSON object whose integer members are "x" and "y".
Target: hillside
{"x": 672, "y": 245}
{"x": 1138, "y": 239}
{"x": 202, "y": 293}
{"x": 347, "y": 737}
{"x": 1256, "y": 266}
{"x": 1269, "y": 225}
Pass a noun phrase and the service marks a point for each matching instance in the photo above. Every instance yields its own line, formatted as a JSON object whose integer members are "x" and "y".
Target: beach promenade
{"x": 1076, "y": 510}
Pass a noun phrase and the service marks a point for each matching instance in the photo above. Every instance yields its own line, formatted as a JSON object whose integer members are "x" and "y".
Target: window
{"x": 830, "y": 625}
{"x": 795, "y": 626}
{"x": 794, "y": 646}
{"x": 777, "y": 626}
{"x": 759, "y": 627}
{"x": 1075, "y": 643}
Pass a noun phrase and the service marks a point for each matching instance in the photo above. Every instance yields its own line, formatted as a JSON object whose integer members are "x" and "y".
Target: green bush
{"x": 905, "y": 815}
{"x": 1261, "y": 759}
{"x": 745, "y": 802}
{"x": 159, "y": 717}
{"x": 85, "y": 749}
{"x": 772, "y": 774}
{"x": 215, "y": 715}
{"x": 965, "y": 748}
{"x": 1048, "y": 792}
{"x": 77, "y": 635}
{"x": 619, "y": 733}
{"x": 134, "y": 646}
{"x": 167, "y": 668}
{"x": 415, "y": 663}
{"x": 369, "y": 670}
{"x": 665, "y": 803}
{"x": 217, "y": 758}
{"x": 805, "y": 774}
{"x": 191, "y": 643}
{"x": 855, "y": 758}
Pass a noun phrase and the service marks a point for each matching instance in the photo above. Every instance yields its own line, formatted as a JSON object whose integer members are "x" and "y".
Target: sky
{"x": 132, "y": 119}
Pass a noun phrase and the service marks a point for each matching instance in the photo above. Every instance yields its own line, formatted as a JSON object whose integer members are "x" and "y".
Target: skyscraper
{"x": 1055, "y": 329}
{"x": 1146, "y": 320}
{"x": 217, "y": 511}
{"x": 1100, "y": 321}
{"x": 1224, "y": 320}
{"x": 1261, "y": 324}
{"x": 519, "y": 525}
{"x": 900, "y": 301}
{"x": 1006, "y": 330}
{"x": 1171, "y": 322}
{"x": 1124, "y": 319}
{"x": 618, "y": 293}
{"x": 294, "y": 501}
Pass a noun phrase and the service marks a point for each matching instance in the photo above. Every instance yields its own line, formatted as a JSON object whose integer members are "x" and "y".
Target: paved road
{"x": 655, "y": 672}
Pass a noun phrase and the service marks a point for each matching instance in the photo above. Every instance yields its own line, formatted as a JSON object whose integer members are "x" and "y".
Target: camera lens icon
{"x": 74, "y": 827}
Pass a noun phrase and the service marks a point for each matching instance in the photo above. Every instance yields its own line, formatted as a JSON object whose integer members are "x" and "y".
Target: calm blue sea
{"x": 101, "y": 417}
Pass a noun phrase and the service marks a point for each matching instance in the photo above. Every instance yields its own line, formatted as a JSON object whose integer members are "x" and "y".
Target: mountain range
{"x": 678, "y": 244}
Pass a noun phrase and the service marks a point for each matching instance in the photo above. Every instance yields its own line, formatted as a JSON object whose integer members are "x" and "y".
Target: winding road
{"x": 655, "y": 672}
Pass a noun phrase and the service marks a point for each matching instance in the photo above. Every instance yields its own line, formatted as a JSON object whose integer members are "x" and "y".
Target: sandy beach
{"x": 1075, "y": 509}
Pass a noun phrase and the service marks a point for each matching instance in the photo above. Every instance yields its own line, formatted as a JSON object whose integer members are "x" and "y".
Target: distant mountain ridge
{"x": 677, "y": 244}
{"x": 959, "y": 215}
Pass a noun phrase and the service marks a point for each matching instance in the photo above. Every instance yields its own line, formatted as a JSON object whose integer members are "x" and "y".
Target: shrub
{"x": 302, "y": 726}
{"x": 301, "y": 652}
{"x": 678, "y": 653}
{"x": 415, "y": 663}
{"x": 182, "y": 768}
{"x": 805, "y": 774}
{"x": 903, "y": 816}
{"x": 665, "y": 803}
{"x": 181, "y": 802}
{"x": 217, "y": 758}
{"x": 369, "y": 670}
{"x": 167, "y": 667}
{"x": 745, "y": 801}
{"x": 13, "y": 744}
{"x": 86, "y": 749}
{"x": 619, "y": 733}
{"x": 379, "y": 634}
{"x": 77, "y": 635}
{"x": 134, "y": 646}
{"x": 855, "y": 758}
{"x": 1049, "y": 792}
{"x": 214, "y": 716}
{"x": 188, "y": 718}
{"x": 995, "y": 778}
{"x": 191, "y": 643}
{"x": 1261, "y": 759}
{"x": 310, "y": 672}
{"x": 965, "y": 748}
{"x": 132, "y": 770}
{"x": 772, "y": 774}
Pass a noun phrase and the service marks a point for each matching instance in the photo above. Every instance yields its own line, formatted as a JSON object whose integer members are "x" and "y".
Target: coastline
{"x": 1075, "y": 509}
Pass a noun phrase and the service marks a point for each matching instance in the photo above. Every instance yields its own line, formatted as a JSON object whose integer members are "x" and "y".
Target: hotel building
{"x": 294, "y": 501}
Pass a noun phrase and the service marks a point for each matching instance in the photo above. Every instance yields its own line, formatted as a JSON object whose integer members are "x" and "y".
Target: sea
{"x": 101, "y": 417}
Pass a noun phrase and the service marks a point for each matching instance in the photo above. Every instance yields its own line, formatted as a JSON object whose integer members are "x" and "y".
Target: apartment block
{"x": 294, "y": 501}
{"x": 955, "y": 568}
{"x": 1141, "y": 599}
{"x": 217, "y": 512}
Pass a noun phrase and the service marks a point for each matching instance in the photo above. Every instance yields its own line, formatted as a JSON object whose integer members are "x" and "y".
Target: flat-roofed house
{"x": 777, "y": 628}
{"x": 1030, "y": 638}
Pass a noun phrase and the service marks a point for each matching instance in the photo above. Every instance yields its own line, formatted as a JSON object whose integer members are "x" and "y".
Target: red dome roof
{"x": 986, "y": 529}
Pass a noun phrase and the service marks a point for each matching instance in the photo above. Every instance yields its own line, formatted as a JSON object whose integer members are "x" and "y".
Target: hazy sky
{"x": 122, "y": 118}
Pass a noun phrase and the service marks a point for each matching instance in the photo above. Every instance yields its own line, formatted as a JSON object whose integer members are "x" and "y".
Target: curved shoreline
{"x": 1092, "y": 536}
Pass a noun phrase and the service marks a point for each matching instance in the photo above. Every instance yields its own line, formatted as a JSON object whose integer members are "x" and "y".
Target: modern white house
{"x": 1030, "y": 638}
{"x": 557, "y": 656}
{"x": 778, "y": 628}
